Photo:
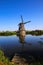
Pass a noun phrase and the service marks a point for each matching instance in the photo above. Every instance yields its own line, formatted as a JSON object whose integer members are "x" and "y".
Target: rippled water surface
{"x": 31, "y": 46}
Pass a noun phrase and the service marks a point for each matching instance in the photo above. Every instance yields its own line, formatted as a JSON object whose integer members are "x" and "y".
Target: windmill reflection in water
{"x": 22, "y": 41}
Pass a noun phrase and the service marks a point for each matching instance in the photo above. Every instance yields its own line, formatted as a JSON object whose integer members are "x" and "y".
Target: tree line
{"x": 33, "y": 32}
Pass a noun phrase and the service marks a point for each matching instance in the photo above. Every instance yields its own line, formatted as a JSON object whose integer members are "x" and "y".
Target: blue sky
{"x": 11, "y": 10}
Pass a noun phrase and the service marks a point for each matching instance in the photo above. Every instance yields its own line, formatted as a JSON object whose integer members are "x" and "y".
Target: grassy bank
{"x": 8, "y": 33}
{"x": 5, "y": 61}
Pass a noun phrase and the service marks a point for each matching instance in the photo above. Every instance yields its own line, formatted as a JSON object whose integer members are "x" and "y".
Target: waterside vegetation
{"x": 5, "y": 61}
{"x": 33, "y": 32}
{"x": 7, "y": 33}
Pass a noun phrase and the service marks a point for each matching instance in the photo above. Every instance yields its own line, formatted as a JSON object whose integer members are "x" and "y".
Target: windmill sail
{"x": 27, "y": 22}
{"x": 22, "y": 19}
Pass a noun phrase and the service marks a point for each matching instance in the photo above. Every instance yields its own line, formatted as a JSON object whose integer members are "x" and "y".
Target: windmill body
{"x": 22, "y": 31}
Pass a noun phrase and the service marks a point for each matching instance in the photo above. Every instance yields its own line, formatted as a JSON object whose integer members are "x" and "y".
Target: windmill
{"x": 22, "y": 31}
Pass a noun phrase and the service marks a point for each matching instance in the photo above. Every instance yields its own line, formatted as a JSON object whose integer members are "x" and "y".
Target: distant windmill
{"x": 22, "y": 31}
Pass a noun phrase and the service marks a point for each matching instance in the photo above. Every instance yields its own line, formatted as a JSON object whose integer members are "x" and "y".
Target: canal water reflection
{"x": 26, "y": 47}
